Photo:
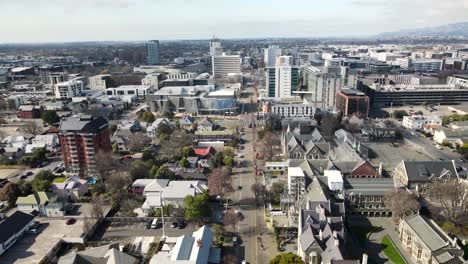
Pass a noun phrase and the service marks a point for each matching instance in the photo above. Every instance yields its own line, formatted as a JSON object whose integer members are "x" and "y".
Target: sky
{"x": 25, "y": 21}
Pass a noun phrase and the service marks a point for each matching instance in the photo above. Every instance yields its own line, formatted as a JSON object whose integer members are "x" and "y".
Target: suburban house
{"x": 427, "y": 243}
{"x": 158, "y": 194}
{"x": 205, "y": 125}
{"x": 138, "y": 186}
{"x": 205, "y": 152}
{"x": 187, "y": 122}
{"x": 152, "y": 129}
{"x": 45, "y": 203}
{"x": 416, "y": 175}
{"x": 12, "y": 228}
{"x": 71, "y": 189}
{"x": 194, "y": 249}
{"x": 107, "y": 254}
{"x": 449, "y": 136}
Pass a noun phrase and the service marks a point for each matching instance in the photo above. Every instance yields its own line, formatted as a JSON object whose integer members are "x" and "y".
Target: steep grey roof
{"x": 107, "y": 254}
{"x": 13, "y": 224}
{"x": 307, "y": 238}
{"x": 205, "y": 122}
{"x": 425, "y": 170}
{"x": 83, "y": 124}
{"x": 426, "y": 232}
{"x": 345, "y": 166}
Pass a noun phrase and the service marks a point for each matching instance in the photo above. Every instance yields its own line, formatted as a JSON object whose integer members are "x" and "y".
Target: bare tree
{"x": 231, "y": 219}
{"x": 32, "y": 127}
{"x": 138, "y": 141}
{"x": 87, "y": 224}
{"x": 452, "y": 197}
{"x": 258, "y": 189}
{"x": 329, "y": 124}
{"x": 103, "y": 164}
{"x": 401, "y": 202}
{"x": 219, "y": 182}
{"x": 271, "y": 145}
{"x": 116, "y": 185}
{"x": 97, "y": 209}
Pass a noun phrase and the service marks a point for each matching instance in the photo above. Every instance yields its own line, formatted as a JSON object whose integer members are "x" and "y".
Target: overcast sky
{"x": 94, "y": 20}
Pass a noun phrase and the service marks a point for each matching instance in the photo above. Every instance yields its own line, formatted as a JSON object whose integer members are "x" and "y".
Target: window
{"x": 408, "y": 241}
{"x": 419, "y": 253}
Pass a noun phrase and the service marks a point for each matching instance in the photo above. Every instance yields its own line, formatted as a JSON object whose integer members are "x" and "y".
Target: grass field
{"x": 59, "y": 179}
{"x": 391, "y": 252}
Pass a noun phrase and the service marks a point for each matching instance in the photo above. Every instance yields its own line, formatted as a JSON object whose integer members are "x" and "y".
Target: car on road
{"x": 174, "y": 224}
{"x": 29, "y": 173}
{"x": 438, "y": 147}
{"x": 239, "y": 187}
{"x": 180, "y": 223}
{"x": 155, "y": 223}
{"x": 70, "y": 221}
{"x": 148, "y": 225}
{"x": 22, "y": 177}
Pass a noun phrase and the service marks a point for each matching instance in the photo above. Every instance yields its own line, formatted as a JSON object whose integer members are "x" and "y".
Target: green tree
{"x": 10, "y": 193}
{"x": 184, "y": 163}
{"x": 24, "y": 187}
{"x": 115, "y": 148}
{"x": 40, "y": 185}
{"x": 139, "y": 170}
{"x": 287, "y": 258}
{"x": 165, "y": 173}
{"x": 45, "y": 175}
{"x": 164, "y": 129}
{"x": 218, "y": 159}
{"x": 50, "y": 117}
{"x": 147, "y": 117}
{"x": 399, "y": 114}
{"x": 228, "y": 161}
{"x": 168, "y": 114}
{"x": 275, "y": 193}
{"x": 196, "y": 207}
{"x": 188, "y": 152}
{"x": 153, "y": 171}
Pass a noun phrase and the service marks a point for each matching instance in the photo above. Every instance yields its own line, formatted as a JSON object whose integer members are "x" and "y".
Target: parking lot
{"x": 392, "y": 154}
{"x": 33, "y": 247}
{"x": 122, "y": 230}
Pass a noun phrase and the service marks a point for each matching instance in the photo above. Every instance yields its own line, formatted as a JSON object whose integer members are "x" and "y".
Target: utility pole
{"x": 162, "y": 217}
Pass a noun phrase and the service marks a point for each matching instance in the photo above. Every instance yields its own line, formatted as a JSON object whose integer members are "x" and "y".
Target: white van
{"x": 154, "y": 224}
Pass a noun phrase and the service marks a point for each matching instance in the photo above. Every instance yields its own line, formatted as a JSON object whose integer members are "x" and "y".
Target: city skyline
{"x": 125, "y": 20}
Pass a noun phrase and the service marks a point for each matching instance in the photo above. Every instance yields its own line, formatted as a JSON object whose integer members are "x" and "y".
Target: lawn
{"x": 391, "y": 252}
{"x": 59, "y": 180}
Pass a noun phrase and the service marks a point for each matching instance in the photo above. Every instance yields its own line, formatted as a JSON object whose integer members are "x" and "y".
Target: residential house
{"x": 205, "y": 152}
{"x": 71, "y": 189}
{"x": 427, "y": 243}
{"x": 138, "y": 186}
{"x": 449, "y": 136}
{"x": 194, "y": 249}
{"x": 12, "y": 228}
{"x": 187, "y": 122}
{"x": 416, "y": 175}
{"x": 12, "y": 153}
{"x": 29, "y": 111}
{"x": 46, "y": 203}
{"x": 107, "y": 254}
{"x": 49, "y": 140}
{"x": 151, "y": 131}
{"x": 205, "y": 125}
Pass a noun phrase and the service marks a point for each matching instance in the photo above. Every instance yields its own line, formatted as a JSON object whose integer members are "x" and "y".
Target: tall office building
{"x": 283, "y": 79}
{"x": 322, "y": 85}
{"x": 224, "y": 65}
{"x": 81, "y": 137}
{"x": 215, "y": 47}
{"x": 270, "y": 55}
{"x": 152, "y": 52}
{"x": 68, "y": 89}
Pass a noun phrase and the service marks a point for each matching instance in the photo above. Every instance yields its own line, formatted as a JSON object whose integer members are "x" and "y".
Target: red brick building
{"x": 352, "y": 102}
{"x": 29, "y": 111}
{"x": 81, "y": 137}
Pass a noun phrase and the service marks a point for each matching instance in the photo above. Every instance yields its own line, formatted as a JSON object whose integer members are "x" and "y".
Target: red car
{"x": 70, "y": 221}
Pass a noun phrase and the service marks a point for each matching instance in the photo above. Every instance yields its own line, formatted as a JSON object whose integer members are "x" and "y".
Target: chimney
{"x": 320, "y": 234}
{"x": 337, "y": 242}
{"x": 454, "y": 242}
{"x": 364, "y": 258}
{"x": 199, "y": 243}
{"x": 329, "y": 220}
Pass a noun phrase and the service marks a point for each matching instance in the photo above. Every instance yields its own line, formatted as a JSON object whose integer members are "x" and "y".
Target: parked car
{"x": 148, "y": 225}
{"x": 180, "y": 223}
{"x": 29, "y": 173}
{"x": 174, "y": 224}
{"x": 70, "y": 221}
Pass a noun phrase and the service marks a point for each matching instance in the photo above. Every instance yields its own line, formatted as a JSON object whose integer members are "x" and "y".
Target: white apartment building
{"x": 461, "y": 80}
{"x": 181, "y": 75}
{"x": 282, "y": 79}
{"x": 296, "y": 182}
{"x": 225, "y": 64}
{"x": 270, "y": 55}
{"x": 132, "y": 90}
{"x": 99, "y": 82}
{"x": 293, "y": 110}
{"x": 68, "y": 89}
{"x": 419, "y": 121}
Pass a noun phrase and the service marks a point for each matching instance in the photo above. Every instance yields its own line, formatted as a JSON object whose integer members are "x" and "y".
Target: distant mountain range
{"x": 449, "y": 30}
